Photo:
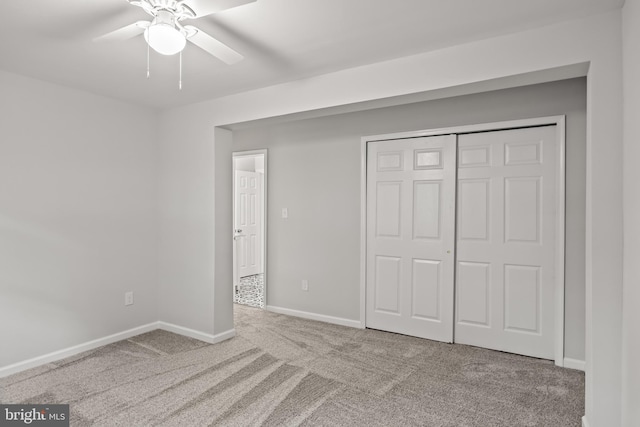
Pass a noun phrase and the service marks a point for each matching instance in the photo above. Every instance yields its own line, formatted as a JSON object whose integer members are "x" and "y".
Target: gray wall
{"x": 78, "y": 217}
{"x": 631, "y": 290}
{"x": 314, "y": 171}
{"x": 247, "y": 164}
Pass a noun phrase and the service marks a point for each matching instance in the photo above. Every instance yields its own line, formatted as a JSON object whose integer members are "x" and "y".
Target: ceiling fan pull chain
{"x": 148, "y": 60}
{"x": 180, "y": 81}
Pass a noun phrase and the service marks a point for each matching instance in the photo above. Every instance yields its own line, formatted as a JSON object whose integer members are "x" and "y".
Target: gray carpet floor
{"x": 285, "y": 371}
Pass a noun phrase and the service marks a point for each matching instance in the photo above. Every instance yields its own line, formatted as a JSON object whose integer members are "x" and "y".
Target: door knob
{"x": 238, "y": 230}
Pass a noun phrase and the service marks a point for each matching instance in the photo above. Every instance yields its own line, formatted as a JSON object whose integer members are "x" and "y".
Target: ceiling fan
{"x": 166, "y": 34}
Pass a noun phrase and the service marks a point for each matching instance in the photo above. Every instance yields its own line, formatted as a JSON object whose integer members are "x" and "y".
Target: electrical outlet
{"x": 285, "y": 213}
{"x": 128, "y": 298}
{"x": 305, "y": 285}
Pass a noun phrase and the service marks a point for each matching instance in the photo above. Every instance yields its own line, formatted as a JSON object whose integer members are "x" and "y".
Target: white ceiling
{"x": 282, "y": 40}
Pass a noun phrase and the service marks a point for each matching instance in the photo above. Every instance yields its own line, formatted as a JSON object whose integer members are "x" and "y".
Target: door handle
{"x": 237, "y": 231}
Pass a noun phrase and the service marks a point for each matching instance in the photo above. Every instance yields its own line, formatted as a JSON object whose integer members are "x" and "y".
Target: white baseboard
{"x": 314, "y": 316}
{"x": 202, "y": 336}
{"x": 585, "y": 422}
{"x": 223, "y": 336}
{"x": 70, "y": 351}
{"x": 574, "y": 364}
{"x": 90, "y": 345}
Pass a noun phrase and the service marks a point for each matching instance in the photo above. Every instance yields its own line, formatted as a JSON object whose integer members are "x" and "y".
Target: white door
{"x": 247, "y": 223}
{"x": 410, "y": 236}
{"x": 506, "y": 240}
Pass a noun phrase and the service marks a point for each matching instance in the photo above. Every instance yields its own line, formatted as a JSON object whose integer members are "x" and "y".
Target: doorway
{"x": 249, "y": 228}
{"x": 465, "y": 235}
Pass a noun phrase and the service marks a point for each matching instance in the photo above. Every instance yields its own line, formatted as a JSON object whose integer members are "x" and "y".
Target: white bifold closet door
{"x": 461, "y": 238}
{"x": 506, "y": 240}
{"x": 410, "y": 236}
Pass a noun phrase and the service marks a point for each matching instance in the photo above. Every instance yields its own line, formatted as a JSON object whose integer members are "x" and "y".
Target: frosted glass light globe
{"x": 164, "y": 38}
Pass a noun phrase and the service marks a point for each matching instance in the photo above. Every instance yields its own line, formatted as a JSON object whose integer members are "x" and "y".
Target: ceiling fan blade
{"x": 216, "y": 48}
{"x": 207, "y": 7}
{"x": 124, "y": 33}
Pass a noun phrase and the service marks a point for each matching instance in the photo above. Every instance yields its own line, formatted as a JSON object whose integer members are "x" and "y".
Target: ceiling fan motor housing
{"x": 177, "y": 7}
{"x": 164, "y": 17}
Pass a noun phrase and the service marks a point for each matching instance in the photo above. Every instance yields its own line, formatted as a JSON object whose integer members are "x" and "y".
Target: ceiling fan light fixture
{"x": 163, "y": 36}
